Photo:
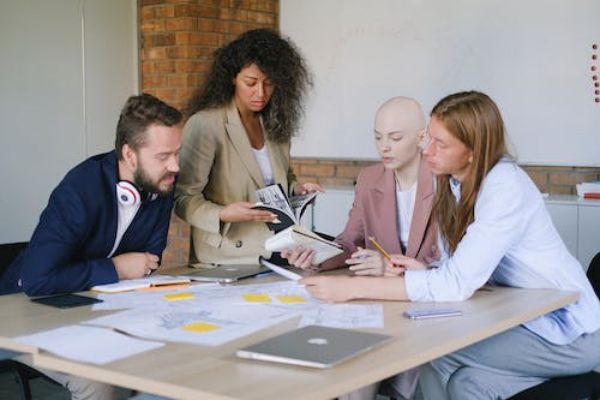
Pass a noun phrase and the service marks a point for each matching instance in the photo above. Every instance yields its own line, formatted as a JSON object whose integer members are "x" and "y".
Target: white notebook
{"x": 142, "y": 283}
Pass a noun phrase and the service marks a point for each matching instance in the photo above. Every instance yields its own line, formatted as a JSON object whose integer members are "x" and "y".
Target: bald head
{"x": 400, "y": 114}
{"x": 398, "y": 123}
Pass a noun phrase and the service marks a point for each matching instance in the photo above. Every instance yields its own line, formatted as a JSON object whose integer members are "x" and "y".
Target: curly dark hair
{"x": 279, "y": 59}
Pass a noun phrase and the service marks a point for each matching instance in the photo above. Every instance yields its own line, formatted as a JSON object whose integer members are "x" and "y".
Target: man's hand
{"x": 242, "y": 212}
{"x": 135, "y": 265}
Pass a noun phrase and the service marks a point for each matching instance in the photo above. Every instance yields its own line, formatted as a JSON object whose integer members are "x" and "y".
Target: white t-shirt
{"x": 126, "y": 214}
{"x": 262, "y": 158}
{"x": 405, "y": 203}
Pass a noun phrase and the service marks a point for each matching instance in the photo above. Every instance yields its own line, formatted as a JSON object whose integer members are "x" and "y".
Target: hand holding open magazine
{"x": 288, "y": 210}
{"x": 297, "y": 235}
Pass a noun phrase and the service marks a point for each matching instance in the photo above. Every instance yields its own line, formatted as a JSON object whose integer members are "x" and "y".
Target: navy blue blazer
{"x": 69, "y": 247}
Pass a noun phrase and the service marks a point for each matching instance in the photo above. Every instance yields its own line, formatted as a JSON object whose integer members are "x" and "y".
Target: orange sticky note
{"x": 257, "y": 297}
{"x": 291, "y": 298}
{"x": 178, "y": 296}
{"x": 200, "y": 327}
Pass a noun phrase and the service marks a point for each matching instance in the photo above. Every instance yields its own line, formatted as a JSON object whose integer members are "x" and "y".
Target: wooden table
{"x": 185, "y": 371}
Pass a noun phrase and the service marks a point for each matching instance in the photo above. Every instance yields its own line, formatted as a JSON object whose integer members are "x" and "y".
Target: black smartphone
{"x": 66, "y": 300}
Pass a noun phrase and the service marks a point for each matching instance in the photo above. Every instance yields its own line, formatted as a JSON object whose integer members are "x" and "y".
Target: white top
{"x": 512, "y": 242}
{"x": 126, "y": 214}
{"x": 262, "y": 158}
{"x": 405, "y": 205}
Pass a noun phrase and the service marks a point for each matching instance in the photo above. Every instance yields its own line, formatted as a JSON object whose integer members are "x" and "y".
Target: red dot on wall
{"x": 593, "y": 68}
{"x": 597, "y": 99}
{"x": 596, "y": 84}
{"x": 594, "y": 56}
{"x": 596, "y": 91}
{"x": 594, "y": 46}
{"x": 595, "y": 77}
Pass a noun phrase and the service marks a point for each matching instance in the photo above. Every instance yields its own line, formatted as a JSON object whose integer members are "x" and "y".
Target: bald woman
{"x": 392, "y": 203}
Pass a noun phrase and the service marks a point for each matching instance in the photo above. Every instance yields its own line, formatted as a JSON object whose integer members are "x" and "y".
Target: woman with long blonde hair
{"x": 496, "y": 229}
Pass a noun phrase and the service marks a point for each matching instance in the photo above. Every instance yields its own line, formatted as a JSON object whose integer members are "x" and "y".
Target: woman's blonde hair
{"x": 474, "y": 119}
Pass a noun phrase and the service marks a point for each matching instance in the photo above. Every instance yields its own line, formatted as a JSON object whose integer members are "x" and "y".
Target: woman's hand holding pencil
{"x": 397, "y": 263}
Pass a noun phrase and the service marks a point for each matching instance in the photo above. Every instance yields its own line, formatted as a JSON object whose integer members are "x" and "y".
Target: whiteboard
{"x": 532, "y": 57}
{"x": 67, "y": 68}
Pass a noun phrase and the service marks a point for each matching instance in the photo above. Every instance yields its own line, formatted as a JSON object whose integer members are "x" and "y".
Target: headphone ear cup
{"x": 127, "y": 193}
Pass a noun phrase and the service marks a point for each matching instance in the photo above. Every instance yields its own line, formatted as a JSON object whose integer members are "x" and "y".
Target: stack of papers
{"x": 589, "y": 190}
{"x": 207, "y": 315}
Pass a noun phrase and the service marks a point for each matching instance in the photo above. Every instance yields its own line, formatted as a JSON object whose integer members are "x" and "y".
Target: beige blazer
{"x": 374, "y": 213}
{"x": 218, "y": 168}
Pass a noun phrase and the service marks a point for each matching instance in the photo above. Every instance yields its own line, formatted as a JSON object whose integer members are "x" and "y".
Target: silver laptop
{"x": 314, "y": 346}
{"x": 226, "y": 273}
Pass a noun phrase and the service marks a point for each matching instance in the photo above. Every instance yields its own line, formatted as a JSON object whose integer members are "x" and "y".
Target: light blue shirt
{"x": 512, "y": 242}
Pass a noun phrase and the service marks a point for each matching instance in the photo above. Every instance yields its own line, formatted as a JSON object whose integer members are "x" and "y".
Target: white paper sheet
{"x": 158, "y": 299}
{"x": 88, "y": 344}
{"x": 345, "y": 316}
{"x": 208, "y": 325}
{"x": 288, "y": 293}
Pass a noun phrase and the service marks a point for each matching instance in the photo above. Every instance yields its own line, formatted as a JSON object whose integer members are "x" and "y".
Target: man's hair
{"x": 138, "y": 113}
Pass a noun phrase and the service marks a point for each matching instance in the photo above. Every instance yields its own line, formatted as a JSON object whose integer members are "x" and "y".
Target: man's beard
{"x": 145, "y": 183}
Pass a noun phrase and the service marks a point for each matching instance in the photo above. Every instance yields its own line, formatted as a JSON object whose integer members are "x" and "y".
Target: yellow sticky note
{"x": 257, "y": 297}
{"x": 291, "y": 298}
{"x": 200, "y": 327}
{"x": 178, "y": 296}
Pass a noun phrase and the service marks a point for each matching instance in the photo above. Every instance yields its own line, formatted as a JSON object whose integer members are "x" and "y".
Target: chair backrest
{"x": 11, "y": 383}
{"x": 593, "y": 274}
{"x": 8, "y": 252}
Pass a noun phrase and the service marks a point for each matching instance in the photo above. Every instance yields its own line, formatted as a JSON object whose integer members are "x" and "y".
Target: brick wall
{"x": 177, "y": 40}
{"x": 549, "y": 179}
{"x": 178, "y": 37}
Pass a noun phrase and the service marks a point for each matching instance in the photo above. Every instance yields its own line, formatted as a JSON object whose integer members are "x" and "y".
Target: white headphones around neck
{"x": 129, "y": 195}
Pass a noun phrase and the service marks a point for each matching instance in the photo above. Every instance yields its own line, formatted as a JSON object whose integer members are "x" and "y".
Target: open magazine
{"x": 288, "y": 210}
{"x": 297, "y": 235}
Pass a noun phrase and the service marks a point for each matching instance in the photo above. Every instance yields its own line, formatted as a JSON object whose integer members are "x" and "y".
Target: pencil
{"x": 378, "y": 247}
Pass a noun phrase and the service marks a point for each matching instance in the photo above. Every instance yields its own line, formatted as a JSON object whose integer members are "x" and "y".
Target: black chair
{"x": 18, "y": 376}
{"x": 576, "y": 387}
{"x": 8, "y": 252}
{"x": 593, "y": 273}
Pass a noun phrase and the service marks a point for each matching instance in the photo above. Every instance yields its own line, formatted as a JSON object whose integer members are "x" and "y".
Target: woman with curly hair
{"x": 237, "y": 140}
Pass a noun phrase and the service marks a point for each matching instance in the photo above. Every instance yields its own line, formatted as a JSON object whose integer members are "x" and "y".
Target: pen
{"x": 379, "y": 248}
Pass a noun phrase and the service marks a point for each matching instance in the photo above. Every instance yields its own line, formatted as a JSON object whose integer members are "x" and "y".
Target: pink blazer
{"x": 374, "y": 213}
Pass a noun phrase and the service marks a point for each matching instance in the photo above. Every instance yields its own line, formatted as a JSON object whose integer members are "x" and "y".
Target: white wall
{"x": 533, "y": 57}
{"x": 67, "y": 67}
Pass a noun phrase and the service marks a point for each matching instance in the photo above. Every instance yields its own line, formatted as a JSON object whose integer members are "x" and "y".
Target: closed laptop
{"x": 226, "y": 273}
{"x": 314, "y": 346}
